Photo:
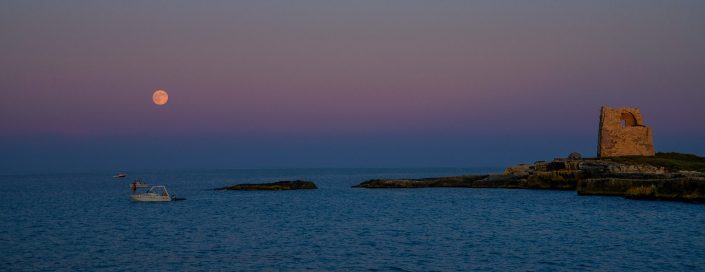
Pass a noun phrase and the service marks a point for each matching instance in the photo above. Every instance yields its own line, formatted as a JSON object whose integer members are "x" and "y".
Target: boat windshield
{"x": 160, "y": 190}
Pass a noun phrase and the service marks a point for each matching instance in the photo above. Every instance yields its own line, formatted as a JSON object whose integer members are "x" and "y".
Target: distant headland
{"x": 626, "y": 165}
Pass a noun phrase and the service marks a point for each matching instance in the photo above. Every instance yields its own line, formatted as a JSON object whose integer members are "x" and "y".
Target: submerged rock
{"x": 275, "y": 186}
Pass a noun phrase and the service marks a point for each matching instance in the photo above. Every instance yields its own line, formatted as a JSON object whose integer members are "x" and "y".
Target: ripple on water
{"x": 86, "y": 222}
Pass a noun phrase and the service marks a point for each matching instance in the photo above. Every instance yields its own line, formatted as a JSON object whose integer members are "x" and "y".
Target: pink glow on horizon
{"x": 344, "y": 71}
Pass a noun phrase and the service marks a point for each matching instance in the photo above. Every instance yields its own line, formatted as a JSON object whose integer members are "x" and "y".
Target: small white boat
{"x": 138, "y": 184}
{"x": 155, "y": 194}
{"x": 120, "y": 175}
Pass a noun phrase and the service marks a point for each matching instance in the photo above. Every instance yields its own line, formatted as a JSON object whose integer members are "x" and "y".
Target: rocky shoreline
{"x": 274, "y": 186}
{"x": 666, "y": 176}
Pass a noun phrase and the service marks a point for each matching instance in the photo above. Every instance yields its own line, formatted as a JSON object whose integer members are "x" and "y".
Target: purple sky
{"x": 267, "y": 84}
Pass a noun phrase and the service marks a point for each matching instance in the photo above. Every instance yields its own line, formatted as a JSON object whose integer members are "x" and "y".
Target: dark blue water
{"x": 87, "y": 222}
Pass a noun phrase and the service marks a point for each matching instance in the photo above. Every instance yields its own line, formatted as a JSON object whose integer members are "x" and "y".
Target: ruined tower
{"x": 622, "y": 133}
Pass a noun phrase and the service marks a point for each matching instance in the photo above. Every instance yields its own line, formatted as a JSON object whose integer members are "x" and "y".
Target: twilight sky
{"x": 269, "y": 84}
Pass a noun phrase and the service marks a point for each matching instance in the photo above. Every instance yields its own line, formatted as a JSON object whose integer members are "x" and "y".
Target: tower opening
{"x": 627, "y": 120}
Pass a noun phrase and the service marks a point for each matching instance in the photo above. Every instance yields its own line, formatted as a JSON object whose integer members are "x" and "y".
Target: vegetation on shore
{"x": 672, "y": 161}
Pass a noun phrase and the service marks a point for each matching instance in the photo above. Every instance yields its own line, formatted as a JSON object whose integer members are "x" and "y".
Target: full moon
{"x": 160, "y": 97}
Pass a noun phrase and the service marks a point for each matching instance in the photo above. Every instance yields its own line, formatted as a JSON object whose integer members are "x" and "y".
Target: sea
{"x": 87, "y": 222}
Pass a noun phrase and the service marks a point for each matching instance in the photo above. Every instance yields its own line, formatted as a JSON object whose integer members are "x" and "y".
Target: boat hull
{"x": 150, "y": 198}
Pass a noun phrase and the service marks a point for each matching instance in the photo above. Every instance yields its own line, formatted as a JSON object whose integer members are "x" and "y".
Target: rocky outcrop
{"x": 519, "y": 169}
{"x": 479, "y": 181}
{"x": 556, "y": 182}
{"x": 275, "y": 186}
{"x": 611, "y": 167}
{"x": 667, "y": 176}
{"x": 681, "y": 188}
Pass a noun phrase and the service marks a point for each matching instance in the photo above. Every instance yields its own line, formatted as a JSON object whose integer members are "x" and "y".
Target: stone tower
{"x": 622, "y": 133}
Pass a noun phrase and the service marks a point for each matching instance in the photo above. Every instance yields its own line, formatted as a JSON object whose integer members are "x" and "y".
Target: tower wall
{"x": 622, "y": 133}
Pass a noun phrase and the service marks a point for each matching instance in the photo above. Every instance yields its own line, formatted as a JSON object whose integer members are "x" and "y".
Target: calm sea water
{"x": 86, "y": 222}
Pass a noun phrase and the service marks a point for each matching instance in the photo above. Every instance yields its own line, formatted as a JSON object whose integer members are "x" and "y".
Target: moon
{"x": 160, "y": 97}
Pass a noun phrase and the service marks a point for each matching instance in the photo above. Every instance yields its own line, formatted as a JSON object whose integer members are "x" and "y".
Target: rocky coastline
{"x": 274, "y": 186}
{"x": 665, "y": 176}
